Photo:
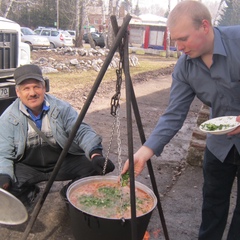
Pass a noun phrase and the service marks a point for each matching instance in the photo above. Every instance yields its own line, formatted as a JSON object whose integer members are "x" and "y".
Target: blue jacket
{"x": 62, "y": 117}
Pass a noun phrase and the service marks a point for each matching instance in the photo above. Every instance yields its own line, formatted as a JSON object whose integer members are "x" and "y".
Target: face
{"x": 193, "y": 42}
{"x": 31, "y": 92}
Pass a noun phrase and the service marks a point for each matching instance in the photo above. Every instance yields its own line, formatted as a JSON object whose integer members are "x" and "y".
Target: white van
{"x": 13, "y": 54}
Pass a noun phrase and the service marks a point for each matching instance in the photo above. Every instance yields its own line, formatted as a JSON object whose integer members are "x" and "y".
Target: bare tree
{"x": 7, "y": 5}
{"x": 218, "y": 12}
{"x": 113, "y": 9}
{"x": 77, "y": 26}
{"x": 8, "y": 8}
{"x": 1, "y": 13}
{"x": 168, "y": 34}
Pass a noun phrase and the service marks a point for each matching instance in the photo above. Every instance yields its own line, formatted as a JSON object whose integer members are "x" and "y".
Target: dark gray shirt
{"x": 217, "y": 87}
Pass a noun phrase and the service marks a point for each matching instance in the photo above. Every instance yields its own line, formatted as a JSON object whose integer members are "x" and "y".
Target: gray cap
{"x": 28, "y": 71}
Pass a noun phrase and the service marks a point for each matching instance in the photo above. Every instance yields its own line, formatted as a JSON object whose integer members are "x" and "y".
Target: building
{"x": 149, "y": 31}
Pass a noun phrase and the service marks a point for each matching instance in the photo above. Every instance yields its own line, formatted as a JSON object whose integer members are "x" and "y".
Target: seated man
{"x": 26, "y": 156}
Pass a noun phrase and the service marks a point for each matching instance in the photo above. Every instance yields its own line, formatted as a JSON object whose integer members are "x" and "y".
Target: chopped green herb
{"x": 109, "y": 191}
{"x": 125, "y": 179}
{"x": 214, "y": 127}
{"x": 107, "y": 197}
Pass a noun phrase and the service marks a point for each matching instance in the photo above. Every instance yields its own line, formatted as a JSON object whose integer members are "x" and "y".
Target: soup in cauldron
{"x": 109, "y": 200}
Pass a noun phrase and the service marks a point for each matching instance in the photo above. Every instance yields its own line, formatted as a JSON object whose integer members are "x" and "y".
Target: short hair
{"x": 197, "y": 11}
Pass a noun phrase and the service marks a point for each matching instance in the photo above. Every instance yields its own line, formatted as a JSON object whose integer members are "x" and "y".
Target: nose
{"x": 32, "y": 92}
{"x": 179, "y": 45}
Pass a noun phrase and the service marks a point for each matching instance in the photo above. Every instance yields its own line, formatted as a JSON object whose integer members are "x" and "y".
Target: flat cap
{"x": 28, "y": 71}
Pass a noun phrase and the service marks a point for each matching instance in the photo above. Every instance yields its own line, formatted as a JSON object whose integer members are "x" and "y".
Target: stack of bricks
{"x": 198, "y": 140}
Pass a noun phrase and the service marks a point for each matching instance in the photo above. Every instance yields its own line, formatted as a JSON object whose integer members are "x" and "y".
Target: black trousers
{"x": 218, "y": 182}
{"x": 73, "y": 167}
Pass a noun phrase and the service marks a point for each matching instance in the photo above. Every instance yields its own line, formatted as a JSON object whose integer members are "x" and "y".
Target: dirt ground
{"x": 181, "y": 206}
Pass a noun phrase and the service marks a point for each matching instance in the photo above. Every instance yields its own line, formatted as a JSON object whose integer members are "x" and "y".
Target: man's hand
{"x": 5, "y": 181}
{"x": 140, "y": 158}
{"x": 98, "y": 162}
{"x": 236, "y": 130}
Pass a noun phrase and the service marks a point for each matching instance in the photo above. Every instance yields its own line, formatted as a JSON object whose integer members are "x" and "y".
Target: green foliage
{"x": 230, "y": 13}
{"x": 44, "y": 13}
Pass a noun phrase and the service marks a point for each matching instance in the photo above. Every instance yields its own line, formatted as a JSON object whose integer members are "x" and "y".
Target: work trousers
{"x": 218, "y": 182}
{"x": 73, "y": 167}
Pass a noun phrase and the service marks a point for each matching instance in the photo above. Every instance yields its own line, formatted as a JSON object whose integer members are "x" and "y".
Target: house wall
{"x": 136, "y": 35}
{"x": 96, "y": 19}
{"x": 147, "y": 35}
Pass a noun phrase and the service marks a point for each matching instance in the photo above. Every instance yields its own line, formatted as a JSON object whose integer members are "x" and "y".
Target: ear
{"x": 17, "y": 91}
{"x": 206, "y": 25}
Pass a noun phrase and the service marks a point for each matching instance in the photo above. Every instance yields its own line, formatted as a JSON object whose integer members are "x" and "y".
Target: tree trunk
{"x": 91, "y": 42}
{"x": 81, "y": 12}
{"x": 110, "y": 36}
{"x": 77, "y": 26}
{"x": 8, "y": 8}
{"x": 168, "y": 34}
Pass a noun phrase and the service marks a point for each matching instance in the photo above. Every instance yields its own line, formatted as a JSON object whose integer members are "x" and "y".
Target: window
{"x": 54, "y": 33}
{"x": 45, "y": 33}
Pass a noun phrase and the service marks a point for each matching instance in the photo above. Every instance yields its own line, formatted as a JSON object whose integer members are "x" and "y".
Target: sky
{"x": 211, "y": 4}
{"x": 164, "y": 3}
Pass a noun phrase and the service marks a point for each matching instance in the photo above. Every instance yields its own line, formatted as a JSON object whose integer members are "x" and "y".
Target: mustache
{"x": 33, "y": 97}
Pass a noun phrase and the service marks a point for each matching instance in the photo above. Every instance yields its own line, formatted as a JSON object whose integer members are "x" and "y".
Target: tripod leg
{"x": 149, "y": 163}
{"x": 142, "y": 137}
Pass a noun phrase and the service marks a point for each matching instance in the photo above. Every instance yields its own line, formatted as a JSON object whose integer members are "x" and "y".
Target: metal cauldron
{"x": 90, "y": 227}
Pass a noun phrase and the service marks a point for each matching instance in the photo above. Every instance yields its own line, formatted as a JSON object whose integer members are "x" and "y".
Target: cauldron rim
{"x": 109, "y": 178}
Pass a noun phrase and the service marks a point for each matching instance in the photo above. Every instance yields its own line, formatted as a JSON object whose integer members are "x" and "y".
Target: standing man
{"x": 33, "y": 131}
{"x": 209, "y": 68}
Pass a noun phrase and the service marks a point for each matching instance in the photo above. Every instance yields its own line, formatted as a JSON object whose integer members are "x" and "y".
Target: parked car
{"x": 35, "y": 41}
{"x": 97, "y": 38}
{"x": 73, "y": 34}
{"x": 57, "y": 38}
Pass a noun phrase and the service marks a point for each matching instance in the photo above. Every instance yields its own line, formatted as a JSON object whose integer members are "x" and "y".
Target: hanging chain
{"x": 115, "y": 106}
{"x": 116, "y": 97}
{"x": 109, "y": 147}
{"x": 119, "y": 143}
{"x": 115, "y": 113}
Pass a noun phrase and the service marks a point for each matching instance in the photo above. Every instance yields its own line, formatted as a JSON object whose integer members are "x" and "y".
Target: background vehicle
{"x": 13, "y": 54}
{"x": 73, "y": 34}
{"x": 57, "y": 38}
{"x": 35, "y": 41}
{"x": 97, "y": 38}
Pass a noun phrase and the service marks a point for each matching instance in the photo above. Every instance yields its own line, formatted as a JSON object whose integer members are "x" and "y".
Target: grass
{"x": 65, "y": 81}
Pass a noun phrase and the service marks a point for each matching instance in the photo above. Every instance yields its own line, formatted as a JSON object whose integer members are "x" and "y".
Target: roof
{"x": 152, "y": 18}
{"x": 2, "y": 19}
{"x": 149, "y": 20}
